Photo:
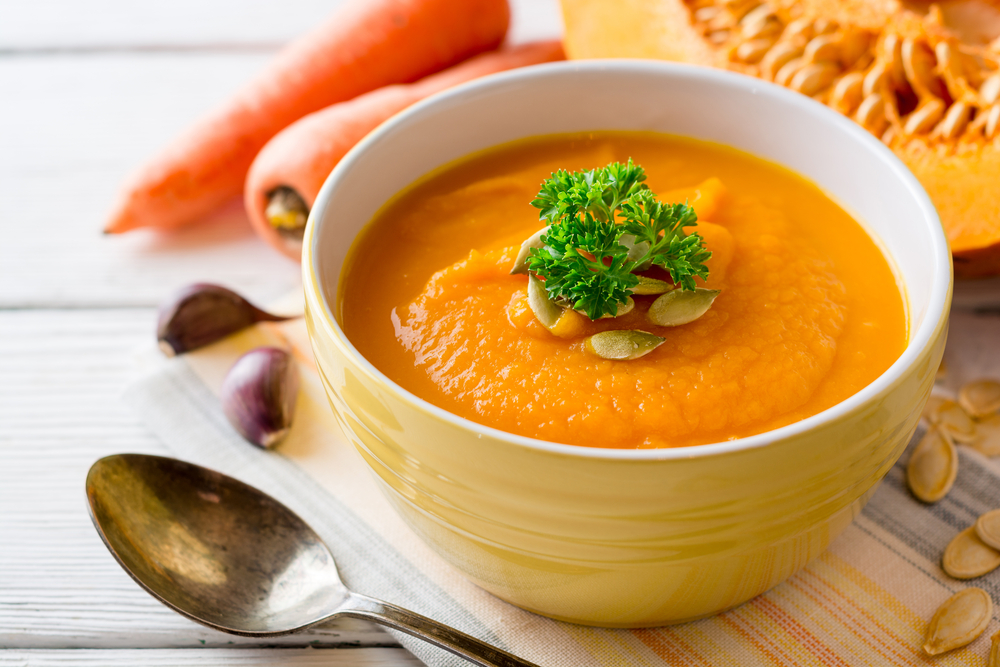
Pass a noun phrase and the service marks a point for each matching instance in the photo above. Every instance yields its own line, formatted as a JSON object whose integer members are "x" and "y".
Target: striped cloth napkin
{"x": 865, "y": 601}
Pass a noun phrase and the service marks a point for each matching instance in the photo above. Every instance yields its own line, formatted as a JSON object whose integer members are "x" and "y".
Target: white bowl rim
{"x": 920, "y": 339}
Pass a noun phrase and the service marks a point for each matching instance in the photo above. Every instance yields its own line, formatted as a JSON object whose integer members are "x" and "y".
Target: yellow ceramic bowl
{"x": 636, "y": 537}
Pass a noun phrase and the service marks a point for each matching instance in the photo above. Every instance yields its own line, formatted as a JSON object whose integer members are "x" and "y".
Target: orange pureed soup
{"x": 809, "y": 312}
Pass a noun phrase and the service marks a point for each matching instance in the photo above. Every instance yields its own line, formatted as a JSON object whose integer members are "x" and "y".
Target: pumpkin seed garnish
{"x": 533, "y": 241}
{"x": 932, "y": 467}
{"x": 968, "y": 557}
{"x": 959, "y": 621}
{"x": 988, "y": 529}
{"x": 623, "y": 309}
{"x": 651, "y": 286}
{"x": 681, "y": 307}
{"x": 545, "y": 310}
{"x": 623, "y": 344}
{"x": 980, "y": 398}
{"x": 636, "y": 251}
{"x": 585, "y": 260}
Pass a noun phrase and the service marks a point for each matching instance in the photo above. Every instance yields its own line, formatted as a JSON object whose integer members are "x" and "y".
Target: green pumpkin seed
{"x": 544, "y": 309}
{"x": 651, "y": 286}
{"x": 533, "y": 241}
{"x": 623, "y": 308}
{"x": 623, "y": 344}
{"x": 679, "y": 307}
{"x": 635, "y": 251}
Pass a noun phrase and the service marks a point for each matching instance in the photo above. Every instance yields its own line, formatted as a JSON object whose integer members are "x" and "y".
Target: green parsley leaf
{"x": 584, "y": 263}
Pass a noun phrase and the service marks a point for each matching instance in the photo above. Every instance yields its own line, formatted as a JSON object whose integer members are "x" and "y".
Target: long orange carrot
{"x": 367, "y": 44}
{"x": 287, "y": 174}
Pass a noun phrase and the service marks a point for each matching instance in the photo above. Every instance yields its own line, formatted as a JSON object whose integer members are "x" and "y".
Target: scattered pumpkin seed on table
{"x": 968, "y": 557}
{"x": 932, "y": 467}
{"x": 980, "y": 398}
{"x": 988, "y": 441}
{"x": 955, "y": 422}
{"x": 988, "y": 528}
{"x": 930, "y": 412}
{"x": 959, "y": 621}
{"x": 973, "y": 420}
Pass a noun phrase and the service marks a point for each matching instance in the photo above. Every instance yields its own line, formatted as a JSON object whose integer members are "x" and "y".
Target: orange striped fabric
{"x": 865, "y": 602}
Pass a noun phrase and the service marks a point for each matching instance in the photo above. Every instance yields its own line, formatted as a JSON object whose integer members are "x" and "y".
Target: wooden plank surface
{"x": 92, "y": 88}
{"x": 59, "y": 26}
{"x": 60, "y": 410}
{"x": 42, "y": 27}
{"x": 80, "y": 125}
{"x": 83, "y": 120}
{"x": 238, "y": 657}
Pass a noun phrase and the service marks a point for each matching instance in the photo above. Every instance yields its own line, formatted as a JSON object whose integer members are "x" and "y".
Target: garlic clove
{"x": 259, "y": 394}
{"x": 679, "y": 307}
{"x": 623, "y": 344}
{"x": 200, "y": 314}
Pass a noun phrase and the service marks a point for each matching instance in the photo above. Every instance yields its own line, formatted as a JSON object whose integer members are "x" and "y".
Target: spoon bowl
{"x": 231, "y": 557}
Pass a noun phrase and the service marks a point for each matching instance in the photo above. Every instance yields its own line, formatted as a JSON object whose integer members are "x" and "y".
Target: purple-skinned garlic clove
{"x": 259, "y": 394}
{"x": 200, "y": 314}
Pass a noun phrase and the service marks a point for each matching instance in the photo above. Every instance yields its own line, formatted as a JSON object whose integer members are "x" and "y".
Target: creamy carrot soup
{"x": 808, "y": 311}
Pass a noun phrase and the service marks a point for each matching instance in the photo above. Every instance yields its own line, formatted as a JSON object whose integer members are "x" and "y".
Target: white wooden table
{"x": 88, "y": 89}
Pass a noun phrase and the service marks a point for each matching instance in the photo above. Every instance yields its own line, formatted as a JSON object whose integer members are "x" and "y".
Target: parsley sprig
{"x": 585, "y": 262}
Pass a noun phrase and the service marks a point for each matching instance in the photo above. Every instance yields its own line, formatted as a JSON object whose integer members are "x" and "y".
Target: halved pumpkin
{"x": 923, "y": 77}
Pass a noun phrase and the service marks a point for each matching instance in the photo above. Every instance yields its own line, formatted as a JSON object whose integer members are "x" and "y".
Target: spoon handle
{"x": 459, "y": 643}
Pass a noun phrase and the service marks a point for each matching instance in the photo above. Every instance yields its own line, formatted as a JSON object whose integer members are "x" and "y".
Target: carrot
{"x": 287, "y": 174}
{"x": 367, "y": 44}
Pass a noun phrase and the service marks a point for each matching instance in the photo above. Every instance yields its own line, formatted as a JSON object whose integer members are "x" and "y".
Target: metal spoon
{"x": 231, "y": 557}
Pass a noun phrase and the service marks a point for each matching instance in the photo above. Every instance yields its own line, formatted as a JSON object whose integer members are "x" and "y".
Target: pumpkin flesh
{"x": 923, "y": 77}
